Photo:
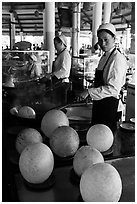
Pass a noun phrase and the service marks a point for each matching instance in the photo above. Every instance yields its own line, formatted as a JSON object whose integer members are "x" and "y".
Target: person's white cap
{"x": 107, "y": 26}
{"x": 63, "y": 39}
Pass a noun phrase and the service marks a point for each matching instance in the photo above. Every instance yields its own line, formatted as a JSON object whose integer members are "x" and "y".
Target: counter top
{"x": 131, "y": 85}
{"x": 66, "y": 189}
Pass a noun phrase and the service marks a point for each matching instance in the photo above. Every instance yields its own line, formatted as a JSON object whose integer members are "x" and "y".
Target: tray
{"x": 107, "y": 153}
{"x": 15, "y": 130}
{"x": 127, "y": 126}
{"x": 41, "y": 186}
{"x": 62, "y": 161}
{"x": 74, "y": 178}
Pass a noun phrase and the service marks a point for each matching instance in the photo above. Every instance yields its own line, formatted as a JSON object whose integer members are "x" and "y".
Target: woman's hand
{"x": 83, "y": 95}
{"x": 49, "y": 75}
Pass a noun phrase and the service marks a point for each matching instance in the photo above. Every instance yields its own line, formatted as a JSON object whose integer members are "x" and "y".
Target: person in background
{"x": 61, "y": 67}
{"x": 31, "y": 66}
{"x": 110, "y": 76}
{"x": 7, "y": 48}
{"x": 97, "y": 49}
{"x": 37, "y": 47}
{"x": 42, "y": 46}
{"x": 34, "y": 47}
{"x": 34, "y": 66}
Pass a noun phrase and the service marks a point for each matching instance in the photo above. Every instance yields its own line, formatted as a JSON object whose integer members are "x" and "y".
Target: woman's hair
{"x": 109, "y": 32}
{"x": 57, "y": 39}
{"x": 96, "y": 46}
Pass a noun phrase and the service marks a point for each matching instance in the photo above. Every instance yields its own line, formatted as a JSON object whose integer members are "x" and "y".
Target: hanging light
{"x": 118, "y": 11}
{"x": 88, "y": 5}
{"x": 35, "y": 26}
{"x": 36, "y": 13}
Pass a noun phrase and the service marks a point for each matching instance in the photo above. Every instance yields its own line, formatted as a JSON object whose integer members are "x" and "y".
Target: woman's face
{"x": 57, "y": 45}
{"x": 106, "y": 41}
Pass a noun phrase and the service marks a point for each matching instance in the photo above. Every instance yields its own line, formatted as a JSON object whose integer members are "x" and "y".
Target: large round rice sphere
{"x": 64, "y": 141}
{"x": 53, "y": 119}
{"x": 100, "y": 136}
{"x": 27, "y": 136}
{"x": 101, "y": 182}
{"x": 36, "y": 163}
{"x": 26, "y": 112}
{"x": 85, "y": 157}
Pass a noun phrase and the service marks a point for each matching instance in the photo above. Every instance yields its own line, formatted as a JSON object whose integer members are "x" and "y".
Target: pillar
{"x": 107, "y": 12}
{"x": 132, "y": 48}
{"x": 21, "y": 36}
{"x": 49, "y": 30}
{"x": 12, "y": 31}
{"x": 128, "y": 38}
{"x": 97, "y": 20}
{"x": 76, "y": 29}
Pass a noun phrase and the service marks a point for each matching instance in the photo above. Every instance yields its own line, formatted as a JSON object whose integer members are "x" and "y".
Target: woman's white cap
{"x": 107, "y": 26}
{"x": 63, "y": 39}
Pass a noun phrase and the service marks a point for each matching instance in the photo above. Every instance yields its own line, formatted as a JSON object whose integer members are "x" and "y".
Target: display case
{"x": 22, "y": 66}
{"x": 130, "y": 102}
{"x": 84, "y": 68}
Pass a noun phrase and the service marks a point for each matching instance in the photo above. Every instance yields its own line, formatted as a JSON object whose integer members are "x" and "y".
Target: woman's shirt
{"x": 62, "y": 66}
{"x": 114, "y": 75}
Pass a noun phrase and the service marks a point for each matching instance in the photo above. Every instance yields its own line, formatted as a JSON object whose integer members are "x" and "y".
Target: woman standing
{"x": 61, "y": 68}
{"x": 110, "y": 76}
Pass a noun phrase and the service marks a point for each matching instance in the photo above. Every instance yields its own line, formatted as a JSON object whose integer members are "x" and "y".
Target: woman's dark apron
{"x": 104, "y": 110}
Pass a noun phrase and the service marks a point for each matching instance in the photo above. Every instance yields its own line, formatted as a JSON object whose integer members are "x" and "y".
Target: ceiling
{"x": 29, "y": 16}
